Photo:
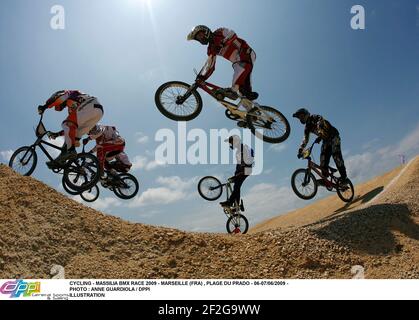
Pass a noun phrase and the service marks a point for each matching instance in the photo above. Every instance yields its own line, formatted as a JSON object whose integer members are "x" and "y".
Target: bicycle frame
{"x": 229, "y": 211}
{"x": 330, "y": 180}
{"x": 232, "y": 107}
{"x": 40, "y": 142}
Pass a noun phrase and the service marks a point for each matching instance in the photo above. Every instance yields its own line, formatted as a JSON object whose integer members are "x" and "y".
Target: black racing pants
{"x": 332, "y": 147}
{"x": 238, "y": 182}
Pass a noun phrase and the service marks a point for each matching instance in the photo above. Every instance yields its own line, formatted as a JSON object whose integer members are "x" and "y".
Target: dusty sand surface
{"x": 40, "y": 227}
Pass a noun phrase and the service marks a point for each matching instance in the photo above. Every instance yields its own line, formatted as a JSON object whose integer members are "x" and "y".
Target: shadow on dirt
{"x": 370, "y": 230}
{"x": 362, "y": 199}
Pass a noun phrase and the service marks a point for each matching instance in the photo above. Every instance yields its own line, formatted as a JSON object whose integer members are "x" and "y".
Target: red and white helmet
{"x": 96, "y": 132}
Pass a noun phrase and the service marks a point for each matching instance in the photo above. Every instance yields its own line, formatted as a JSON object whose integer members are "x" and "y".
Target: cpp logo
{"x": 19, "y": 288}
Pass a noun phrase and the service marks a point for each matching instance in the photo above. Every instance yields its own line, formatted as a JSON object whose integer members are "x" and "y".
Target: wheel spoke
{"x": 168, "y": 99}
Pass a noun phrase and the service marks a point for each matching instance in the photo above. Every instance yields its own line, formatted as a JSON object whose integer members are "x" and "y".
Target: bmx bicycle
{"x": 211, "y": 189}
{"x": 79, "y": 174}
{"x": 305, "y": 185}
{"x": 180, "y": 101}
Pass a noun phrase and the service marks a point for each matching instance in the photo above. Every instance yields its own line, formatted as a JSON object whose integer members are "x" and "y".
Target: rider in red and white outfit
{"x": 225, "y": 42}
{"x": 84, "y": 111}
{"x": 109, "y": 146}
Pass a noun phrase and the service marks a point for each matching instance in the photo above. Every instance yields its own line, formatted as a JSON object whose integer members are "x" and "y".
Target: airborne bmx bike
{"x": 211, "y": 189}
{"x": 79, "y": 174}
{"x": 305, "y": 185}
{"x": 180, "y": 101}
{"x": 124, "y": 185}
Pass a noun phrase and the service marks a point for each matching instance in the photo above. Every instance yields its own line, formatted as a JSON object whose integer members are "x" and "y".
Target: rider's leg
{"x": 242, "y": 80}
{"x": 235, "y": 195}
{"x": 337, "y": 156}
{"x": 88, "y": 117}
{"x": 112, "y": 151}
{"x": 101, "y": 157}
{"x": 325, "y": 156}
{"x": 126, "y": 164}
{"x": 69, "y": 150}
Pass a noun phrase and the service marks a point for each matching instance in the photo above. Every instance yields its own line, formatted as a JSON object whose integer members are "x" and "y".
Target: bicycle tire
{"x": 160, "y": 105}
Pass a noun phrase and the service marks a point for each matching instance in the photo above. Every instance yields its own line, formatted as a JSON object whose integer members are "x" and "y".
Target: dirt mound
{"x": 40, "y": 228}
{"x": 329, "y": 206}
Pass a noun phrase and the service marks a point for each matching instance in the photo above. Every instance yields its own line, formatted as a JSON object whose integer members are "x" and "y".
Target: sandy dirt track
{"x": 40, "y": 227}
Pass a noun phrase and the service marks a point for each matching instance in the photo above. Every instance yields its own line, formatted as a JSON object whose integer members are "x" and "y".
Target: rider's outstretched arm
{"x": 306, "y": 139}
{"x": 209, "y": 66}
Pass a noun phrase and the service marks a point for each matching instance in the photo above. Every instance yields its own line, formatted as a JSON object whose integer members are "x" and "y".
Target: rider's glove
{"x": 41, "y": 109}
{"x": 318, "y": 140}
{"x": 53, "y": 135}
{"x": 86, "y": 141}
{"x": 300, "y": 153}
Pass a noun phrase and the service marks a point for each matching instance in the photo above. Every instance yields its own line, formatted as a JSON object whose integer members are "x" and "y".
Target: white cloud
{"x": 155, "y": 164}
{"x": 6, "y": 155}
{"x": 176, "y": 182}
{"x": 365, "y": 165}
{"x": 139, "y": 162}
{"x": 143, "y": 163}
{"x": 59, "y": 142}
{"x": 173, "y": 189}
{"x": 370, "y": 144}
{"x": 100, "y": 204}
{"x": 266, "y": 200}
{"x": 158, "y": 196}
{"x": 409, "y": 143}
{"x": 278, "y": 147}
{"x": 142, "y": 138}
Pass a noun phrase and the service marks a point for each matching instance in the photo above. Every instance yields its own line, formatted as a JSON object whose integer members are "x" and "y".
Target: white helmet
{"x": 96, "y": 132}
{"x": 207, "y": 34}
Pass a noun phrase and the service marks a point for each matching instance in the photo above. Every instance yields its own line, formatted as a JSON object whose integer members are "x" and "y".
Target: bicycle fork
{"x": 307, "y": 177}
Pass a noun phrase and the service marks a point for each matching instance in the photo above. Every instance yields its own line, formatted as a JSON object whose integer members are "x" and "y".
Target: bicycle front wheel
{"x": 82, "y": 173}
{"x": 304, "y": 184}
{"x": 237, "y": 224}
{"x": 24, "y": 161}
{"x": 176, "y": 101}
{"x": 91, "y": 195}
{"x": 268, "y": 124}
{"x": 210, "y": 188}
{"x": 68, "y": 189}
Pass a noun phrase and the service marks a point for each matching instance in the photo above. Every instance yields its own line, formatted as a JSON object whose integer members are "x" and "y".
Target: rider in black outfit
{"x": 331, "y": 141}
{"x": 245, "y": 160}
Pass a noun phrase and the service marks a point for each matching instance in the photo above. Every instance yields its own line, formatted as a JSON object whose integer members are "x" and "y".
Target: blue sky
{"x": 365, "y": 82}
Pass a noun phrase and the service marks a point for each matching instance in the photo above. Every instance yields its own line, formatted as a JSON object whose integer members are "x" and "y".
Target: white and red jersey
{"x": 108, "y": 136}
{"x": 72, "y": 99}
{"x": 227, "y": 44}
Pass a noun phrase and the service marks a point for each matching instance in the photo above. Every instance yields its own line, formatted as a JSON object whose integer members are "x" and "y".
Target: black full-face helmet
{"x": 302, "y": 114}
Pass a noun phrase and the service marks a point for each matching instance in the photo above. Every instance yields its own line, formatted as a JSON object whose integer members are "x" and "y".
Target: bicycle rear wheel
{"x": 276, "y": 128}
{"x": 210, "y": 188}
{"x": 237, "y": 224}
{"x": 347, "y": 192}
{"x": 24, "y": 161}
{"x": 127, "y": 186}
{"x": 168, "y": 100}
